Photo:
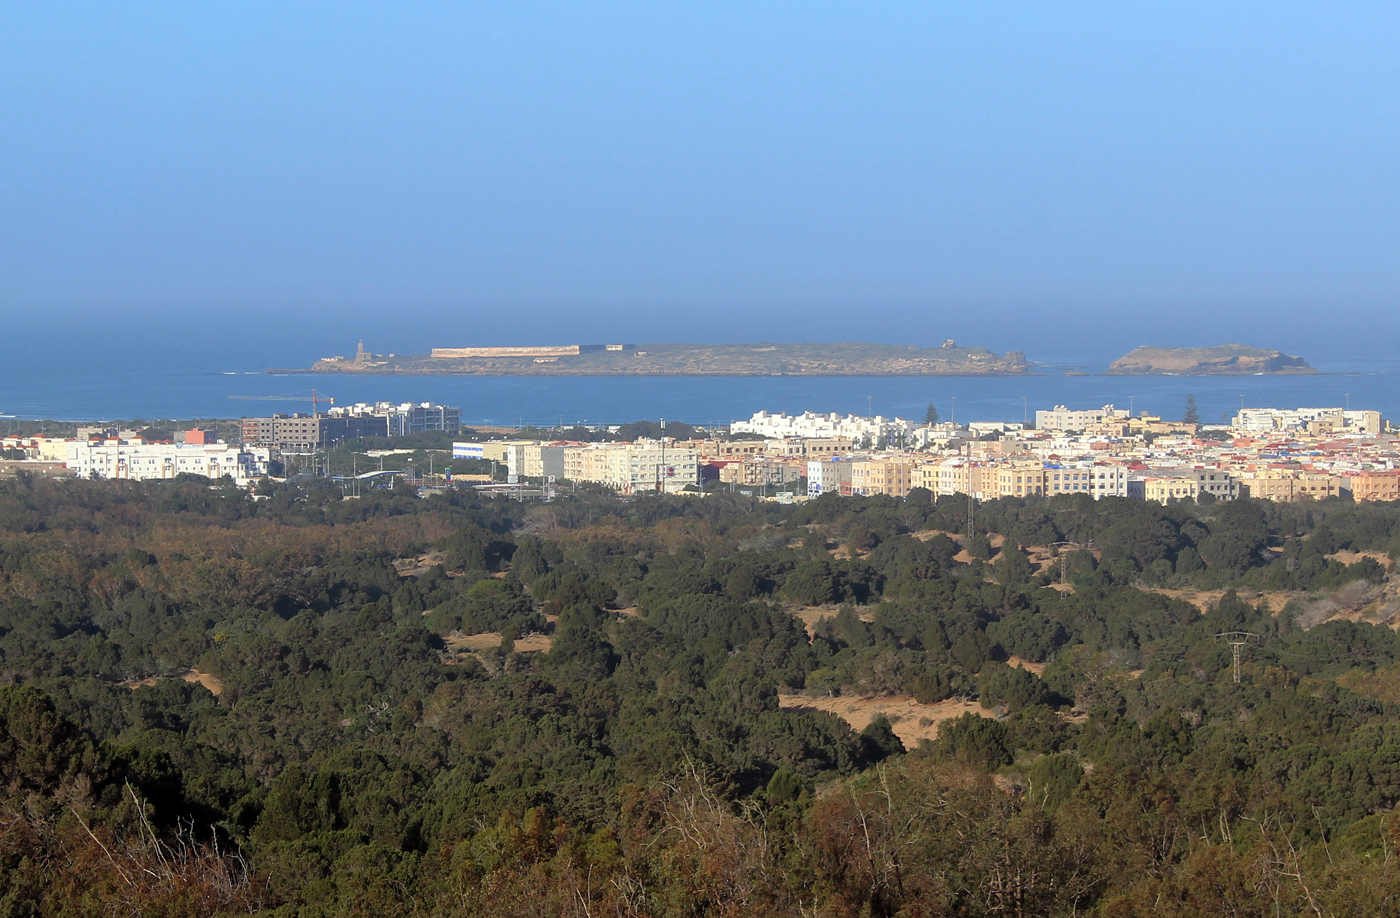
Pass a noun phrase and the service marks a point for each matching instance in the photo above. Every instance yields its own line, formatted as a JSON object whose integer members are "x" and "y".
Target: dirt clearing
{"x": 912, "y": 721}
{"x": 208, "y": 680}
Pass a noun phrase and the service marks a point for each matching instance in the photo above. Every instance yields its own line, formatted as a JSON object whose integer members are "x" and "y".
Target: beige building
{"x": 829, "y": 447}
{"x": 1018, "y": 479}
{"x": 498, "y": 450}
{"x": 1289, "y": 485}
{"x": 889, "y": 475}
{"x": 762, "y": 471}
{"x": 633, "y": 467}
{"x": 1375, "y": 486}
{"x": 1165, "y": 485}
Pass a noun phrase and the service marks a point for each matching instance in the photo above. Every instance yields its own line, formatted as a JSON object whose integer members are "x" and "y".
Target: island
{"x": 760, "y": 359}
{"x": 1224, "y": 360}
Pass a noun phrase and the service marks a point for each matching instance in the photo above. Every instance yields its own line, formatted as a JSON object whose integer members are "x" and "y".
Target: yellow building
{"x": 891, "y": 476}
{"x": 1020, "y": 479}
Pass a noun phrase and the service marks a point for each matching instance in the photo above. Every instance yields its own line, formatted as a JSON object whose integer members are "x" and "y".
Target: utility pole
{"x": 1236, "y": 640}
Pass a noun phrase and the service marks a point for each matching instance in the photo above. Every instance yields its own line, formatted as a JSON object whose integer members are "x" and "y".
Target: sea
{"x": 182, "y": 387}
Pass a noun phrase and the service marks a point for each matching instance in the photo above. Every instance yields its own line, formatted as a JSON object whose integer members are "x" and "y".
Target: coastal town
{"x": 1281, "y": 454}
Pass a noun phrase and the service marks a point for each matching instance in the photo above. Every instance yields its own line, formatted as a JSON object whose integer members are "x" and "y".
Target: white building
{"x": 534, "y": 461}
{"x": 139, "y": 461}
{"x": 1267, "y": 420}
{"x": 402, "y": 419}
{"x": 809, "y": 425}
{"x": 825, "y": 475}
{"x": 1062, "y": 418}
{"x": 1107, "y": 480}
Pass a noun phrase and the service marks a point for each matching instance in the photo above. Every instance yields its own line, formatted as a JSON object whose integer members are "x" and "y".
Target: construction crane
{"x": 315, "y": 400}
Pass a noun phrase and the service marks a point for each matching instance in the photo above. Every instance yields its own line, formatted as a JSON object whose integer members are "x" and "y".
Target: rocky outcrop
{"x": 1225, "y": 360}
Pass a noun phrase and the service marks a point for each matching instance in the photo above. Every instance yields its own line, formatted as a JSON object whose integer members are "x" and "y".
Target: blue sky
{"x": 1018, "y": 175}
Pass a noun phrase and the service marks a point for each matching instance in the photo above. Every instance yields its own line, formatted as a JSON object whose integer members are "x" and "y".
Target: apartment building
{"x": 1315, "y": 421}
{"x": 1062, "y": 418}
{"x": 1107, "y": 480}
{"x": 810, "y": 425}
{"x": 762, "y": 471}
{"x": 1383, "y": 485}
{"x": 139, "y": 461}
{"x": 1018, "y": 479}
{"x": 892, "y": 476}
{"x": 633, "y": 467}
{"x": 1163, "y": 485}
{"x": 534, "y": 461}
{"x": 825, "y": 476}
{"x": 303, "y": 433}
{"x": 1289, "y": 485}
{"x": 1068, "y": 480}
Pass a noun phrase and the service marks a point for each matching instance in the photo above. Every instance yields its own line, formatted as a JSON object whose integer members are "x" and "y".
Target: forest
{"x": 289, "y": 703}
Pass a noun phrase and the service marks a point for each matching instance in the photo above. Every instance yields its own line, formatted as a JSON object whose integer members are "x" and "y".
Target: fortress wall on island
{"x": 561, "y": 350}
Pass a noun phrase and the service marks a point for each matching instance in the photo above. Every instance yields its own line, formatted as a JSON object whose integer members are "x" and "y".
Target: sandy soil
{"x": 1027, "y": 665}
{"x": 208, "y": 680}
{"x": 810, "y": 615}
{"x": 470, "y": 643}
{"x": 912, "y": 721}
{"x": 1351, "y": 557}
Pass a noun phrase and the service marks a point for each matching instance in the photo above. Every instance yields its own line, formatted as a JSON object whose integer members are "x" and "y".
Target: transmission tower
{"x": 1236, "y": 640}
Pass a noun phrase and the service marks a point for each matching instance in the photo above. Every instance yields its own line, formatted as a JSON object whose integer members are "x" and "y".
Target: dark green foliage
{"x": 975, "y": 741}
{"x": 1010, "y": 687}
{"x": 879, "y": 739}
{"x": 1191, "y": 414}
{"x": 365, "y": 762}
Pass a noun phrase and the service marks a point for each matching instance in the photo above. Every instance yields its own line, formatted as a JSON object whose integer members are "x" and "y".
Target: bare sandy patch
{"x": 210, "y": 681}
{"x": 911, "y": 721}
{"x": 472, "y": 643}
{"x": 1027, "y": 665}
{"x": 811, "y": 615}
{"x": 1351, "y": 557}
{"x": 533, "y": 643}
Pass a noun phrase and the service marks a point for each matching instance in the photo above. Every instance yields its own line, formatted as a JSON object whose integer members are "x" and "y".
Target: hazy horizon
{"x": 1069, "y": 180}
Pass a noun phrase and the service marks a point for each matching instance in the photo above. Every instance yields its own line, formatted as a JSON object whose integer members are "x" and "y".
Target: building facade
{"x": 139, "y": 461}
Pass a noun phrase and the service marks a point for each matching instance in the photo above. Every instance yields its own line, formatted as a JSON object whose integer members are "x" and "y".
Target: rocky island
{"x": 1224, "y": 360}
{"x": 761, "y": 359}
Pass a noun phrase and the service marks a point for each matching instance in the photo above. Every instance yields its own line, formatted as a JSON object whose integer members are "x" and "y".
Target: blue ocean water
{"x": 121, "y": 390}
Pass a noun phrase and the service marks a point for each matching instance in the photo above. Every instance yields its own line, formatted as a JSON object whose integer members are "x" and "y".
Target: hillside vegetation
{"x": 215, "y": 705}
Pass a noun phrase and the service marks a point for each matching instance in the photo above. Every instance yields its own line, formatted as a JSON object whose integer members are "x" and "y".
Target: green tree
{"x": 931, "y": 415}
{"x": 1191, "y": 415}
